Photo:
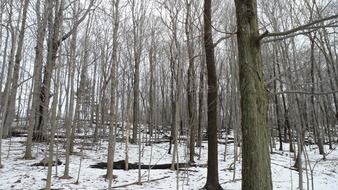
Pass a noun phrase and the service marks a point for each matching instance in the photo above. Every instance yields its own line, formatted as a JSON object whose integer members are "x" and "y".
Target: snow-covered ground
{"x": 19, "y": 174}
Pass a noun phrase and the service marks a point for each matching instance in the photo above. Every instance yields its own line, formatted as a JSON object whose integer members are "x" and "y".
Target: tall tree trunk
{"x": 173, "y": 104}
{"x": 54, "y": 41}
{"x": 113, "y": 111}
{"x": 256, "y": 173}
{"x": 41, "y": 33}
{"x": 287, "y": 127}
{"x": 152, "y": 55}
{"x": 93, "y": 105}
{"x": 10, "y": 112}
{"x": 4, "y": 60}
{"x": 278, "y": 111}
{"x": 191, "y": 83}
{"x": 10, "y": 67}
{"x": 137, "y": 19}
{"x": 53, "y": 45}
{"x": 2, "y": 7}
{"x": 70, "y": 104}
{"x": 53, "y": 122}
{"x": 212, "y": 173}
{"x": 201, "y": 105}
{"x": 316, "y": 127}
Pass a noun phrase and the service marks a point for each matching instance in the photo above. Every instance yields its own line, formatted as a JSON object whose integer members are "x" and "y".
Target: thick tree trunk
{"x": 53, "y": 45}
{"x": 256, "y": 173}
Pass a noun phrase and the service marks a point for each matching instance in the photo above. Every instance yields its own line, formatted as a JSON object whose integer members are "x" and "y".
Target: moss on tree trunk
{"x": 256, "y": 173}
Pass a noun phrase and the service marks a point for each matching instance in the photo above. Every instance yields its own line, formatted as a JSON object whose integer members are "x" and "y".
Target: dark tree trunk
{"x": 212, "y": 174}
{"x": 315, "y": 123}
{"x": 287, "y": 127}
{"x": 278, "y": 113}
{"x": 201, "y": 106}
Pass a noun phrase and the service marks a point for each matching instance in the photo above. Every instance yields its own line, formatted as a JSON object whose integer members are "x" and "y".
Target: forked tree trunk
{"x": 53, "y": 121}
{"x": 10, "y": 67}
{"x": 138, "y": 19}
{"x": 69, "y": 117}
{"x": 41, "y": 33}
{"x": 10, "y": 112}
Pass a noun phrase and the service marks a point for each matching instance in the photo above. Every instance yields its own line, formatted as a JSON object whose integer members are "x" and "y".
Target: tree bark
{"x": 256, "y": 173}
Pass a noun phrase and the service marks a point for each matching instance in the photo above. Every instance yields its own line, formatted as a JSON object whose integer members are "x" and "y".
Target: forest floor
{"x": 19, "y": 174}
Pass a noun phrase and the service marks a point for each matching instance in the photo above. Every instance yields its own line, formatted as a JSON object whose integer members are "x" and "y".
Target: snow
{"x": 19, "y": 174}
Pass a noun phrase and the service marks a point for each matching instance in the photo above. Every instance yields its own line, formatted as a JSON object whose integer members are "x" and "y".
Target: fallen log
{"x": 120, "y": 165}
{"x": 44, "y": 162}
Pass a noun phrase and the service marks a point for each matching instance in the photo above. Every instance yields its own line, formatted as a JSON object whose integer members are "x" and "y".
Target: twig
{"x": 136, "y": 182}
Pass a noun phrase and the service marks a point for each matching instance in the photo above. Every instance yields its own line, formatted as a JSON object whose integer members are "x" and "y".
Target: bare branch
{"x": 69, "y": 33}
{"x": 221, "y": 39}
{"x": 305, "y": 92}
{"x": 299, "y": 28}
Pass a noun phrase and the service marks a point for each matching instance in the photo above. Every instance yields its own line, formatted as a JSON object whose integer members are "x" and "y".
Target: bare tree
{"x": 41, "y": 32}
{"x": 10, "y": 112}
{"x": 191, "y": 97}
{"x": 113, "y": 111}
{"x": 138, "y": 19}
{"x": 70, "y": 113}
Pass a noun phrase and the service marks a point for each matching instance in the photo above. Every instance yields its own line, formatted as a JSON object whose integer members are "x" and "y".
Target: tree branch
{"x": 69, "y": 33}
{"x": 221, "y": 39}
{"x": 305, "y": 92}
{"x": 299, "y": 28}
